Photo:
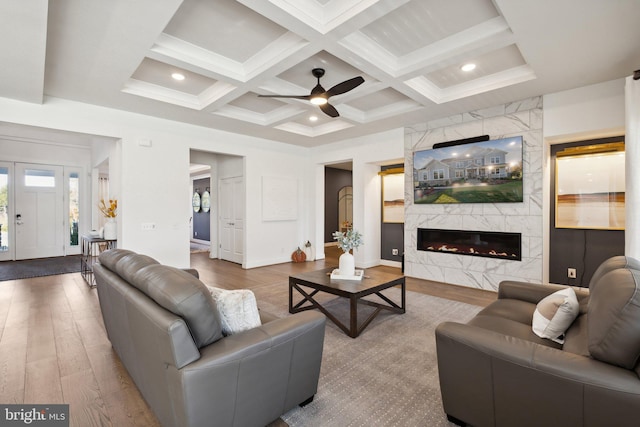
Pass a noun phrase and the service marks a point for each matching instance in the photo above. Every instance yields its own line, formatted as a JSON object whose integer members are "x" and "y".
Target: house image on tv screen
{"x": 489, "y": 171}
{"x": 475, "y": 162}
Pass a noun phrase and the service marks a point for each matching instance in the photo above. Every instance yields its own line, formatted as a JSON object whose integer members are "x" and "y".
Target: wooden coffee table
{"x": 374, "y": 282}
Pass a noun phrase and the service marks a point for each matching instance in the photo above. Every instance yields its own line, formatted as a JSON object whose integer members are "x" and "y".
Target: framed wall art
{"x": 393, "y": 195}
{"x": 590, "y": 187}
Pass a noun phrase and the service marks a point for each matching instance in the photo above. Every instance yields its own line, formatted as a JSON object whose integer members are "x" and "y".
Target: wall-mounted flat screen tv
{"x": 477, "y": 172}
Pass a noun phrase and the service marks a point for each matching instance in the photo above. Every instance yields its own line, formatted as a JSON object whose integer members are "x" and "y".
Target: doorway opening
{"x": 338, "y": 200}
{"x": 200, "y": 238}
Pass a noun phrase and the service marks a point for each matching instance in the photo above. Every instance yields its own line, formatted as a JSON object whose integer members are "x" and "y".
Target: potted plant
{"x": 347, "y": 241}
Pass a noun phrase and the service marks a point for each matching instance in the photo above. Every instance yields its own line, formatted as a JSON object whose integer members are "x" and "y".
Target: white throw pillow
{"x": 554, "y": 314}
{"x": 237, "y": 308}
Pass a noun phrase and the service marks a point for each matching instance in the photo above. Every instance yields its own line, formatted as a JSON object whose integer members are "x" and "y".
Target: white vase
{"x": 347, "y": 265}
{"x": 110, "y": 229}
{"x": 308, "y": 251}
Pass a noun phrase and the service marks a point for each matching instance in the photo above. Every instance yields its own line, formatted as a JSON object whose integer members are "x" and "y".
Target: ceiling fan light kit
{"x": 320, "y": 97}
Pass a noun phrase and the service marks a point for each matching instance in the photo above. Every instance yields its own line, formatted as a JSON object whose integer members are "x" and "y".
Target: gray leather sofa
{"x": 163, "y": 325}
{"x": 494, "y": 371}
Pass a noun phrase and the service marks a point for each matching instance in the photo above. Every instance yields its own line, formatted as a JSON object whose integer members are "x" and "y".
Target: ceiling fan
{"x": 320, "y": 97}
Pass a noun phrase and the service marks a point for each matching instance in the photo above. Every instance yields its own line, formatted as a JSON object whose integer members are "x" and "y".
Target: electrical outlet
{"x": 571, "y": 273}
{"x": 394, "y": 251}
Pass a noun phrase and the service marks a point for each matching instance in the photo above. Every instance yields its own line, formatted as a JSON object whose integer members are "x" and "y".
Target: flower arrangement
{"x": 110, "y": 211}
{"x": 349, "y": 240}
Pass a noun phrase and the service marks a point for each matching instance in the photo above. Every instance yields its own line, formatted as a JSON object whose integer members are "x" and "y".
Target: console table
{"x": 91, "y": 248}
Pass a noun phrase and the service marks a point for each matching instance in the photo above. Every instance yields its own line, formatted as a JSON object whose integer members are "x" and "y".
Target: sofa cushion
{"x": 511, "y": 308}
{"x": 129, "y": 265}
{"x": 554, "y": 314}
{"x": 111, "y": 257}
{"x": 614, "y": 318}
{"x": 238, "y": 309}
{"x": 576, "y": 338}
{"x": 184, "y": 295}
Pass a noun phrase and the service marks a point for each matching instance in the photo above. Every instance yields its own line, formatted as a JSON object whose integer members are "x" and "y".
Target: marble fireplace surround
{"x": 523, "y": 118}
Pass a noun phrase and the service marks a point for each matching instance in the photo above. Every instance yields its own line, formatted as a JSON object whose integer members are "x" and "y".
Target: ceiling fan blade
{"x": 286, "y": 96}
{"x": 345, "y": 86}
{"x": 329, "y": 110}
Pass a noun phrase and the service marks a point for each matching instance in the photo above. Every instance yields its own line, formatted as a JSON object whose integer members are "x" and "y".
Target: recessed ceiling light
{"x": 177, "y": 76}
{"x": 313, "y": 118}
{"x": 468, "y": 67}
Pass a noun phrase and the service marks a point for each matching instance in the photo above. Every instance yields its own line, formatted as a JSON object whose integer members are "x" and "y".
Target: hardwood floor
{"x": 54, "y": 349}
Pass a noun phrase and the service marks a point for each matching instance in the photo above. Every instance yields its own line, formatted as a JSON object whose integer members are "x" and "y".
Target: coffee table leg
{"x": 291, "y": 295}
{"x": 353, "y": 319}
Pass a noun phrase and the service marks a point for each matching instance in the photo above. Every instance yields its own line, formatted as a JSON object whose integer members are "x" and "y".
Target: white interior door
{"x": 232, "y": 219}
{"x": 39, "y": 222}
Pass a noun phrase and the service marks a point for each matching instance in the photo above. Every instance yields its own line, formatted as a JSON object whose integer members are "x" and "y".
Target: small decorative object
{"x": 206, "y": 201}
{"x": 195, "y": 201}
{"x": 347, "y": 241}
{"x": 110, "y": 231}
{"x": 308, "y": 251}
{"x": 298, "y": 255}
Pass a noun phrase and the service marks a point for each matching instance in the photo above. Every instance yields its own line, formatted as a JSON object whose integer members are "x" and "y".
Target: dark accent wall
{"x": 581, "y": 249}
{"x": 392, "y": 235}
{"x": 334, "y": 180}
{"x": 201, "y": 220}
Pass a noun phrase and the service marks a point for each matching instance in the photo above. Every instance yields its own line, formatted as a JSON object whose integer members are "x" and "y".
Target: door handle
{"x": 19, "y": 222}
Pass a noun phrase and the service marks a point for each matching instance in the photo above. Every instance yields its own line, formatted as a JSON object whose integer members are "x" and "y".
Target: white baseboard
{"x": 389, "y": 263}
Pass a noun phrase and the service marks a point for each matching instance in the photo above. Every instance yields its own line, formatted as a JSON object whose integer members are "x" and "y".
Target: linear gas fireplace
{"x": 475, "y": 243}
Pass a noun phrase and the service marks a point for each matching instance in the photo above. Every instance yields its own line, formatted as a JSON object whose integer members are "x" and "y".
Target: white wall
{"x": 589, "y": 112}
{"x": 367, "y": 154}
{"x": 151, "y": 180}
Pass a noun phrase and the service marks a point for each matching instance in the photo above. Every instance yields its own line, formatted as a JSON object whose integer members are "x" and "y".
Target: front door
{"x": 38, "y": 213}
{"x": 232, "y": 219}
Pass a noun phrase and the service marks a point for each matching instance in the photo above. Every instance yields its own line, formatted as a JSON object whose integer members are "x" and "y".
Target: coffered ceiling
{"x": 122, "y": 54}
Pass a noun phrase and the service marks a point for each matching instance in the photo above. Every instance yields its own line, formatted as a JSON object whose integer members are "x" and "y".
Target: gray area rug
{"x": 388, "y": 376}
{"x": 14, "y": 270}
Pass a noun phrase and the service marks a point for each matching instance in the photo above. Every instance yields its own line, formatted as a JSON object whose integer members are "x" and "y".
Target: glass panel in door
{"x": 74, "y": 208}
{"x": 5, "y": 215}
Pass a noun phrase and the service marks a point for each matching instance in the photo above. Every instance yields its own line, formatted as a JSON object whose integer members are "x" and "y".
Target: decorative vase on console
{"x": 347, "y": 241}
{"x": 110, "y": 211}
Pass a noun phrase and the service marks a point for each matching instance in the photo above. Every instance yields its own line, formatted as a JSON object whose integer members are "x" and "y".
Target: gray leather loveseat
{"x": 163, "y": 325}
{"x": 494, "y": 371}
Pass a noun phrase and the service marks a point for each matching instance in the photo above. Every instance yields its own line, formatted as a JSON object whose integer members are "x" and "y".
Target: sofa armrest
{"x": 268, "y": 369}
{"x": 503, "y": 376}
{"x": 541, "y": 358}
